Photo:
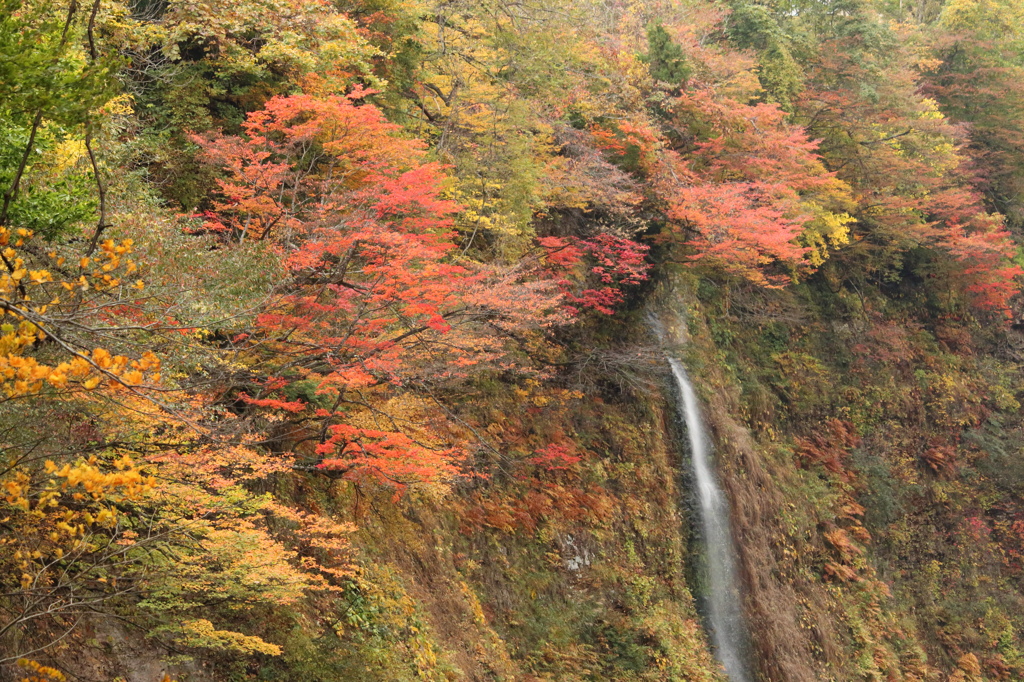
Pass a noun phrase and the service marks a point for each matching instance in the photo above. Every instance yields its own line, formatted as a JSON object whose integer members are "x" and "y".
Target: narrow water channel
{"x": 729, "y": 634}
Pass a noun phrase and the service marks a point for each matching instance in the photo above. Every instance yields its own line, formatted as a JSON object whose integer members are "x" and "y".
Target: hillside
{"x": 336, "y": 338}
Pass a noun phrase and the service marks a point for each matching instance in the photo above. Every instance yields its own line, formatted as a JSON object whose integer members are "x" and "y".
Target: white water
{"x": 724, "y": 610}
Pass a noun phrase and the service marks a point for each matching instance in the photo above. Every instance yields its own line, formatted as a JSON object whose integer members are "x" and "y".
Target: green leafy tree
{"x": 752, "y": 26}
{"x": 52, "y": 84}
{"x": 666, "y": 58}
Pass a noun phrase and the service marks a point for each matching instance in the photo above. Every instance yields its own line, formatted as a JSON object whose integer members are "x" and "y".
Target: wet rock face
{"x": 575, "y": 554}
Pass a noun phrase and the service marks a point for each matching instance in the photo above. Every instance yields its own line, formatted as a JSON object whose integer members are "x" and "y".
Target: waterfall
{"x": 724, "y": 611}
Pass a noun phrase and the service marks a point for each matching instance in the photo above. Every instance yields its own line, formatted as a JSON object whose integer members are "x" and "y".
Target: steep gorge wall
{"x": 784, "y": 644}
{"x": 574, "y": 574}
{"x": 564, "y": 585}
{"x": 861, "y": 556}
{"x": 872, "y": 495}
{"x": 588, "y": 573}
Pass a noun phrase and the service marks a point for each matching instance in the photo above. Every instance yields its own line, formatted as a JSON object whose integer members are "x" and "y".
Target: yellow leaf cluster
{"x": 201, "y": 633}
{"x": 54, "y": 517}
{"x": 28, "y": 295}
{"x": 37, "y": 672}
{"x": 22, "y": 375}
{"x": 126, "y": 481}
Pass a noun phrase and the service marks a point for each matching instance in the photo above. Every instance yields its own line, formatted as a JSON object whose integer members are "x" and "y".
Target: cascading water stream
{"x": 724, "y": 611}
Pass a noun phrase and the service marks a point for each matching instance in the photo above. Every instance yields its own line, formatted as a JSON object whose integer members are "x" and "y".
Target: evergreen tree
{"x": 665, "y": 58}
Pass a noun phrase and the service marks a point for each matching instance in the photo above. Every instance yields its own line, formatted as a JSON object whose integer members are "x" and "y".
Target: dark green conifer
{"x": 665, "y": 58}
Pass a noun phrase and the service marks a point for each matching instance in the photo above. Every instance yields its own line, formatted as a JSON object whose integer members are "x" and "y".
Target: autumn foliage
{"x": 277, "y": 275}
{"x": 375, "y": 292}
{"x": 753, "y": 191}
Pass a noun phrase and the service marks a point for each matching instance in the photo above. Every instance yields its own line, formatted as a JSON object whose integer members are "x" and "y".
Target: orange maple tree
{"x": 749, "y": 187}
{"x": 375, "y": 292}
